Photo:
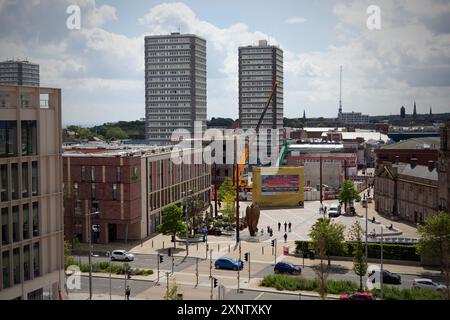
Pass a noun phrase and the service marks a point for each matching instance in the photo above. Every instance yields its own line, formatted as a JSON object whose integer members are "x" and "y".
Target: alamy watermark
{"x": 374, "y": 20}
{"x": 73, "y": 21}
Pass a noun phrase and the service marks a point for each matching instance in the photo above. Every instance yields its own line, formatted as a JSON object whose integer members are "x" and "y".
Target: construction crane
{"x": 241, "y": 183}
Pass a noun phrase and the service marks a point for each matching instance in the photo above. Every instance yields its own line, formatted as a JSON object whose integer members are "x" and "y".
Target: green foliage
{"x": 359, "y": 258}
{"x": 347, "y": 192}
{"x": 220, "y": 122}
{"x": 390, "y": 251}
{"x": 330, "y": 233}
{"x": 115, "y": 133}
{"x": 291, "y": 283}
{"x": 121, "y": 269}
{"x": 392, "y": 293}
{"x": 173, "y": 293}
{"x": 435, "y": 236}
{"x": 226, "y": 188}
{"x": 172, "y": 221}
{"x": 293, "y": 123}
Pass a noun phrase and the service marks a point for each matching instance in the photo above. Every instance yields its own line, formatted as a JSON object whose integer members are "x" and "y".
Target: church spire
{"x": 415, "y": 111}
{"x": 304, "y": 114}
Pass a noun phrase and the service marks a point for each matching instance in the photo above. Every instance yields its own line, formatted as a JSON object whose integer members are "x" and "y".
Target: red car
{"x": 357, "y": 296}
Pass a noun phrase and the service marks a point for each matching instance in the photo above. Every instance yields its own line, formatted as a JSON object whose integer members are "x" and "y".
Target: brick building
{"x": 128, "y": 186}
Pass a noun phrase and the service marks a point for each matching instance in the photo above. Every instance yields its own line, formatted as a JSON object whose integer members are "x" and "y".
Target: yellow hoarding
{"x": 278, "y": 186}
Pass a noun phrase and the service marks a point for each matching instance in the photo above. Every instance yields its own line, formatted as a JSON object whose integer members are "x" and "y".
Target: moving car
{"x": 334, "y": 210}
{"x": 121, "y": 255}
{"x": 388, "y": 277}
{"x": 428, "y": 284}
{"x": 283, "y": 267}
{"x": 357, "y": 296}
{"x": 229, "y": 264}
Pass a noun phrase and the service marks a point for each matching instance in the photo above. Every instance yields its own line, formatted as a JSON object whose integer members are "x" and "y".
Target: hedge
{"x": 391, "y": 293}
{"x": 390, "y": 251}
{"x": 104, "y": 267}
{"x": 294, "y": 283}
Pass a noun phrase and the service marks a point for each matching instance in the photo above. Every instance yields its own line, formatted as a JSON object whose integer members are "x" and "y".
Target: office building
{"x": 175, "y": 85}
{"x": 31, "y": 199}
{"x": 129, "y": 186}
{"x": 19, "y": 72}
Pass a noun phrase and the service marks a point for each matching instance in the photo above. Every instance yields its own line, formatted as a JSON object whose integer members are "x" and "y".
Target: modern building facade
{"x": 352, "y": 118}
{"x": 31, "y": 199}
{"x": 128, "y": 186}
{"x": 19, "y": 72}
{"x": 444, "y": 169}
{"x": 175, "y": 85}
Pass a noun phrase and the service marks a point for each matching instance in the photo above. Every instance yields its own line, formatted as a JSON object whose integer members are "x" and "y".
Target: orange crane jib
{"x": 242, "y": 163}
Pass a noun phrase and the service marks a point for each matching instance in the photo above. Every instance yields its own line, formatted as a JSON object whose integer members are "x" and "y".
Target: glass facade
{"x": 5, "y": 226}
{"x": 36, "y": 260}
{"x": 29, "y": 137}
{"x": 25, "y": 181}
{"x": 15, "y": 219}
{"x": 5, "y": 269}
{"x": 15, "y": 181}
{"x": 35, "y": 219}
{"x": 34, "y": 178}
{"x": 8, "y": 138}
{"x": 26, "y": 263}
{"x": 26, "y": 221}
{"x": 16, "y": 265}
{"x": 4, "y": 183}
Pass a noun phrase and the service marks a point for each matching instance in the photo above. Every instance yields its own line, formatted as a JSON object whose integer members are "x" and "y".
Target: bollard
{"x": 152, "y": 244}
{"x": 218, "y": 247}
{"x": 228, "y": 248}
{"x": 197, "y": 246}
{"x": 262, "y": 249}
{"x": 163, "y": 244}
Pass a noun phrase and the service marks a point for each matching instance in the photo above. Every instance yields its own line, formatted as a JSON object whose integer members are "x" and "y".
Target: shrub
{"x": 285, "y": 282}
{"x": 391, "y": 293}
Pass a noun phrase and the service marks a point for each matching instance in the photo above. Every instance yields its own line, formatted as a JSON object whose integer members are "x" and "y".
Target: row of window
{"x": 30, "y": 264}
{"x": 8, "y": 138}
{"x": 9, "y": 180}
{"x": 10, "y": 220}
{"x": 93, "y": 175}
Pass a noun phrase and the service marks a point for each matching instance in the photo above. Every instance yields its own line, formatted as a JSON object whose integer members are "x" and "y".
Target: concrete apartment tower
{"x": 175, "y": 85}
{"x": 32, "y": 230}
{"x": 259, "y": 67}
{"x": 19, "y": 72}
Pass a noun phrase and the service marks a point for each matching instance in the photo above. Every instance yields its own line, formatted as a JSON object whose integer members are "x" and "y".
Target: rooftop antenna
{"x": 340, "y": 92}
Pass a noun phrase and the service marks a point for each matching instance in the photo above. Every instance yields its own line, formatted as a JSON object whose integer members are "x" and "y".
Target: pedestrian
{"x": 268, "y": 229}
{"x": 271, "y": 232}
{"x": 285, "y": 226}
{"x": 279, "y": 226}
{"x": 127, "y": 293}
{"x": 285, "y": 237}
{"x": 220, "y": 204}
{"x": 290, "y": 226}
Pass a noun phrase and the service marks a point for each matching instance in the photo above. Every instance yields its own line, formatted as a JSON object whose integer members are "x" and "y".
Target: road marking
{"x": 259, "y": 295}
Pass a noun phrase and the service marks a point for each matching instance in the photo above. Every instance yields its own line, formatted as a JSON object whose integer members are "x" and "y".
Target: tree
{"x": 326, "y": 238}
{"x": 435, "y": 242}
{"x": 347, "y": 193}
{"x": 115, "y": 133}
{"x": 172, "y": 222}
{"x": 226, "y": 188}
{"x": 359, "y": 257}
{"x": 173, "y": 293}
{"x": 333, "y": 234}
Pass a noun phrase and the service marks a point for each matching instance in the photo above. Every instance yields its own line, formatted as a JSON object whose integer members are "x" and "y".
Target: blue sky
{"x": 100, "y": 67}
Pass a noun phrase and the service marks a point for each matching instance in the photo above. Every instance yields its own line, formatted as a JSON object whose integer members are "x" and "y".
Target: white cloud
{"x": 295, "y": 20}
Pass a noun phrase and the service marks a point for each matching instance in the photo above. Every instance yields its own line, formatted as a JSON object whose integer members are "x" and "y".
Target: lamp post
{"x": 90, "y": 250}
{"x": 366, "y": 205}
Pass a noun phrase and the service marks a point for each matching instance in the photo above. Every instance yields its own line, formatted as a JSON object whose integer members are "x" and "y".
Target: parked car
{"x": 283, "y": 267}
{"x": 334, "y": 210}
{"x": 428, "y": 284}
{"x": 121, "y": 255}
{"x": 357, "y": 296}
{"x": 388, "y": 277}
{"x": 229, "y": 264}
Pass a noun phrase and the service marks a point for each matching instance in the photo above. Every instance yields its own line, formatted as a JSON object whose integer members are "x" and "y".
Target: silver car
{"x": 428, "y": 284}
{"x": 121, "y": 255}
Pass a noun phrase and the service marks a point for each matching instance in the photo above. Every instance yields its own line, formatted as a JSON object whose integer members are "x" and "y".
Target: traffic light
{"x": 161, "y": 259}
{"x": 215, "y": 282}
{"x": 246, "y": 256}
{"x": 169, "y": 252}
{"x": 273, "y": 243}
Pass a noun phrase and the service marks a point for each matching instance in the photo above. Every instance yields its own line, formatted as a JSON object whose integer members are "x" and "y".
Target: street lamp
{"x": 89, "y": 215}
{"x": 366, "y": 205}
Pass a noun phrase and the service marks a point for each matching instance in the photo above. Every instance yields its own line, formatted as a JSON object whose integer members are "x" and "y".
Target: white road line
{"x": 259, "y": 295}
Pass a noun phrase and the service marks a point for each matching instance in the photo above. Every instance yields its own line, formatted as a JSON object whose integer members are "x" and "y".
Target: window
{"x": 118, "y": 174}
{"x": 26, "y": 221}
{"x": 8, "y": 138}
{"x": 83, "y": 173}
{"x": 3, "y": 182}
{"x": 25, "y": 186}
{"x": 35, "y": 219}
{"x": 34, "y": 178}
{"x": 5, "y": 226}
{"x": 26, "y": 263}
{"x": 36, "y": 260}
{"x": 14, "y": 181}
{"x": 15, "y": 218}
{"x": 92, "y": 173}
{"x": 29, "y": 137}
{"x": 16, "y": 265}
{"x": 76, "y": 190}
{"x": 114, "y": 191}
{"x": 5, "y": 269}
{"x": 93, "y": 191}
